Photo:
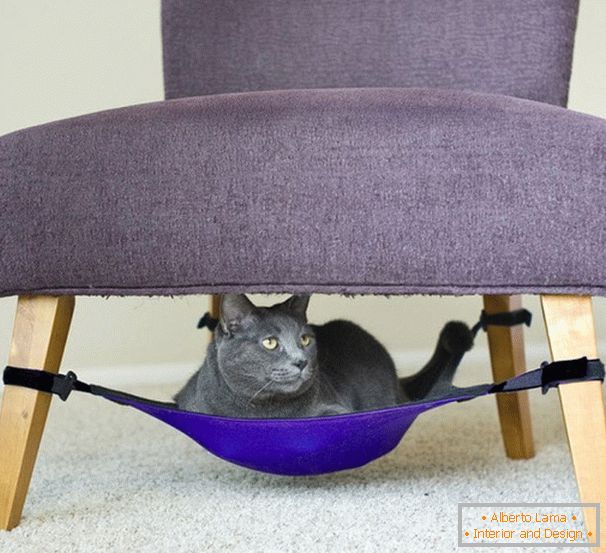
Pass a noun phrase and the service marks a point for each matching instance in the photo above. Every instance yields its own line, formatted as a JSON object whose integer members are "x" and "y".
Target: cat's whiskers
{"x": 250, "y": 401}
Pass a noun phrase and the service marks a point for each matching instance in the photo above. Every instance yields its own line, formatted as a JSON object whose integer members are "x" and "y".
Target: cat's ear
{"x": 297, "y": 305}
{"x": 234, "y": 309}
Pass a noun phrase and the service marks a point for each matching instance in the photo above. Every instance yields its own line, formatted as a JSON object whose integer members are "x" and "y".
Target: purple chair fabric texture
{"x": 518, "y": 48}
{"x": 345, "y": 191}
{"x": 334, "y": 148}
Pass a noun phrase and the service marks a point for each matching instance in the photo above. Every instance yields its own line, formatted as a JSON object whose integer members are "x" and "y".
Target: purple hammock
{"x": 306, "y": 446}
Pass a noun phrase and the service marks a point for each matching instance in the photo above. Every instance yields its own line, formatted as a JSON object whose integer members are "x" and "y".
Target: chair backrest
{"x": 516, "y": 47}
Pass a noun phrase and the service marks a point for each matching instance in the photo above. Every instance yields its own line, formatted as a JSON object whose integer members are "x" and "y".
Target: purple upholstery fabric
{"x": 519, "y": 48}
{"x": 356, "y": 190}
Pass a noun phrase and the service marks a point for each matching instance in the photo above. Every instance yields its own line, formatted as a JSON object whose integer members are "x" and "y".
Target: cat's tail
{"x": 437, "y": 375}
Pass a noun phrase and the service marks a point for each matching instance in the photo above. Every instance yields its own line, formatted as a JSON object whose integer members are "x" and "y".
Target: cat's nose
{"x": 300, "y": 363}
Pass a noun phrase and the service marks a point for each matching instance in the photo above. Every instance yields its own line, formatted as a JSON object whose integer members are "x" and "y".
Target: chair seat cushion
{"x": 393, "y": 190}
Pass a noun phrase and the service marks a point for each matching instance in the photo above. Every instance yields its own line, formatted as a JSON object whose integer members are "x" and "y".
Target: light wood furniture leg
{"x": 215, "y": 310}
{"x": 39, "y": 335}
{"x": 507, "y": 359}
{"x": 215, "y": 305}
{"x": 571, "y": 334}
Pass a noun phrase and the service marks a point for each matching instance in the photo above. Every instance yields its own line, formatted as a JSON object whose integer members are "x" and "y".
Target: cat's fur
{"x": 343, "y": 369}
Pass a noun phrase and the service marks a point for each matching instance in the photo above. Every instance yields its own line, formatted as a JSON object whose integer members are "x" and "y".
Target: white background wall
{"x": 62, "y": 58}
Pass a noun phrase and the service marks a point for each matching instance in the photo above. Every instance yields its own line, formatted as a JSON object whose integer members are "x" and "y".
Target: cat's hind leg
{"x": 437, "y": 375}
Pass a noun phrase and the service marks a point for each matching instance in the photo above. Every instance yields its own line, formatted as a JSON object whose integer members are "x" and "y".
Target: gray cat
{"x": 268, "y": 362}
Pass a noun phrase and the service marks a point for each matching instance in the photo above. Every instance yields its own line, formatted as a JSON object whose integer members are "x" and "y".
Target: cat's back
{"x": 340, "y": 334}
{"x": 356, "y": 364}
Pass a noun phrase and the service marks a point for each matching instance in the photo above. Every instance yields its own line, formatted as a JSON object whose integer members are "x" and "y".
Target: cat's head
{"x": 266, "y": 353}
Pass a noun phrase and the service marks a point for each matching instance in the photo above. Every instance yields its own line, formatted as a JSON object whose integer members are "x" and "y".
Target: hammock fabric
{"x": 315, "y": 445}
{"x": 309, "y": 445}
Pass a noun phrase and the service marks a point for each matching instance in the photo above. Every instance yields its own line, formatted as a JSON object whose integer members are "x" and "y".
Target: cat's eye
{"x": 270, "y": 343}
{"x": 305, "y": 340}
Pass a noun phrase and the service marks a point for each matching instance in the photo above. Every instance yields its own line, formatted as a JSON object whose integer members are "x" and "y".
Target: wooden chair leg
{"x": 215, "y": 310}
{"x": 39, "y": 335}
{"x": 571, "y": 334}
{"x": 215, "y": 305}
{"x": 507, "y": 358}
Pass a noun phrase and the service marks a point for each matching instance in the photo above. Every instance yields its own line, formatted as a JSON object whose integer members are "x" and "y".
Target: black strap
{"x": 506, "y": 318}
{"x": 60, "y": 384}
{"x": 548, "y": 375}
{"x": 208, "y": 322}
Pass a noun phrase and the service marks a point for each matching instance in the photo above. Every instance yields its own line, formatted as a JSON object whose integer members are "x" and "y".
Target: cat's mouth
{"x": 294, "y": 376}
{"x": 286, "y": 378}
{"x": 292, "y": 383}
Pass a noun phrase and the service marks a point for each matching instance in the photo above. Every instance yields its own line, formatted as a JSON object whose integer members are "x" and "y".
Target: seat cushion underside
{"x": 335, "y": 190}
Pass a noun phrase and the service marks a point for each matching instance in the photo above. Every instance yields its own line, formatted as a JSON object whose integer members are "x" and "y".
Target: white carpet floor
{"x": 109, "y": 479}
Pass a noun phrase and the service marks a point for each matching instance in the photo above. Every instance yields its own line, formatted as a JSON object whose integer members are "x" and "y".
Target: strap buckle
{"x": 570, "y": 370}
{"x": 64, "y": 386}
